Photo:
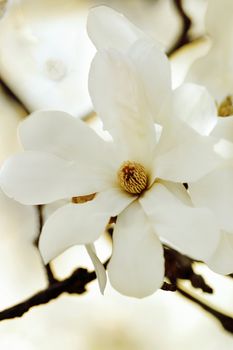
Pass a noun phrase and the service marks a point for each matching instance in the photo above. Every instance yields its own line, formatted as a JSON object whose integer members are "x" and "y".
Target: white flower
{"x": 137, "y": 177}
{"x": 215, "y": 70}
{"x": 215, "y": 192}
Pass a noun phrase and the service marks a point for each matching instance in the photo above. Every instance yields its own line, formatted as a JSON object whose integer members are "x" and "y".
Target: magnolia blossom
{"x": 137, "y": 177}
{"x": 215, "y": 69}
{"x": 215, "y": 191}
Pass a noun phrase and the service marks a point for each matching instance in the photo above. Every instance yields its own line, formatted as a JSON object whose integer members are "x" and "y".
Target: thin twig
{"x": 226, "y": 321}
{"x": 180, "y": 267}
{"x": 10, "y": 93}
{"x": 49, "y": 272}
{"x": 75, "y": 284}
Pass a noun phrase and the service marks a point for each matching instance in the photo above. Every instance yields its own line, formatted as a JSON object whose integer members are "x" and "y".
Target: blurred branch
{"x": 75, "y": 284}
{"x": 180, "y": 267}
{"x": 226, "y": 321}
{"x": 177, "y": 267}
{"x": 186, "y": 25}
{"x": 10, "y": 93}
{"x": 48, "y": 270}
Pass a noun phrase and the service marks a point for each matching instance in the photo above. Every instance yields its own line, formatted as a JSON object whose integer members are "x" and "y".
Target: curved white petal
{"x": 215, "y": 191}
{"x": 215, "y": 69}
{"x": 194, "y": 105}
{"x": 110, "y": 29}
{"x": 207, "y": 70}
{"x": 136, "y": 267}
{"x": 59, "y": 133}
{"x": 182, "y": 155}
{"x": 179, "y": 191}
{"x": 193, "y": 231}
{"x": 224, "y": 148}
{"x": 119, "y": 99}
{"x": 222, "y": 259}
{"x": 18, "y": 221}
{"x": 40, "y": 178}
{"x": 80, "y": 223}
{"x": 224, "y": 129}
{"x": 99, "y": 268}
{"x": 154, "y": 70}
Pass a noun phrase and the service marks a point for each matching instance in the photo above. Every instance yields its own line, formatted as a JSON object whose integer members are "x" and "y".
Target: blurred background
{"x": 45, "y": 56}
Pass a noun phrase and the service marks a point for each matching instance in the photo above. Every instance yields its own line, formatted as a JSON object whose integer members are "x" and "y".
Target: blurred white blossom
{"x": 215, "y": 69}
{"x": 45, "y": 54}
{"x": 215, "y": 191}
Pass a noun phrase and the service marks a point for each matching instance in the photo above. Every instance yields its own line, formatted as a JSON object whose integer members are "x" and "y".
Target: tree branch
{"x": 180, "y": 267}
{"x": 48, "y": 270}
{"x": 183, "y": 38}
{"x": 10, "y": 93}
{"x": 75, "y": 284}
{"x": 226, "y": 321}
{"x": 177, "y": 267}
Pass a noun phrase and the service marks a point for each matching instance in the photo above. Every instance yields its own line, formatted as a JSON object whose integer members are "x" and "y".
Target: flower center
{"x": 226, "y": 107}
{"x": 132, "y": 177}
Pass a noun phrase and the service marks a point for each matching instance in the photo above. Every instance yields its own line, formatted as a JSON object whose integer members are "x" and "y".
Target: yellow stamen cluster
{"x": 132, "y": 177}
{"x": 226, "y": 107}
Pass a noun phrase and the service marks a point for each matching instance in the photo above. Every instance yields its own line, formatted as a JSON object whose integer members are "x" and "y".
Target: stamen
{"x": 83, "y": 199}
{"x": 132, "y": 177}
{"x": 226, "y": 107}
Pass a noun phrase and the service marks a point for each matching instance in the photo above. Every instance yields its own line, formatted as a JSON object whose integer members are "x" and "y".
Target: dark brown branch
{"x": 180, "y": 267}
{"x": 186, "y": 25}
{"x": 75, "y": 284}
{"x": 50, "y": 276}
{"x": 49, "y": 272}
{"x": 10, "y": 93}
{"x": 226, "y": 321}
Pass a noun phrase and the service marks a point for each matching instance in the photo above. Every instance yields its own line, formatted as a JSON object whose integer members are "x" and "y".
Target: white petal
{"x": 40, "y": 178}
{"x": 194, "y": 105}
{"x": 99, "y": 268}
{"x": 69, "y": 138}
{"x": 224, "y": 128}
{"x": 110, "y": 29}
{"x": 193, "y": 231}
{"x": 18, "y": 221}
{"x": 80, "y": 223}
{"x": 183, "y": 155}
{"x": 218, "y": 62}
{"x": 215, "y": 191}
{"x": 179, "y": 191}
{"x": 224, "y": 148}
{"x": 137, "y": 264}
{"x": 118, "y": 97}
{"x": 222, "y": 259}
{"x": 154, "y": 71}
